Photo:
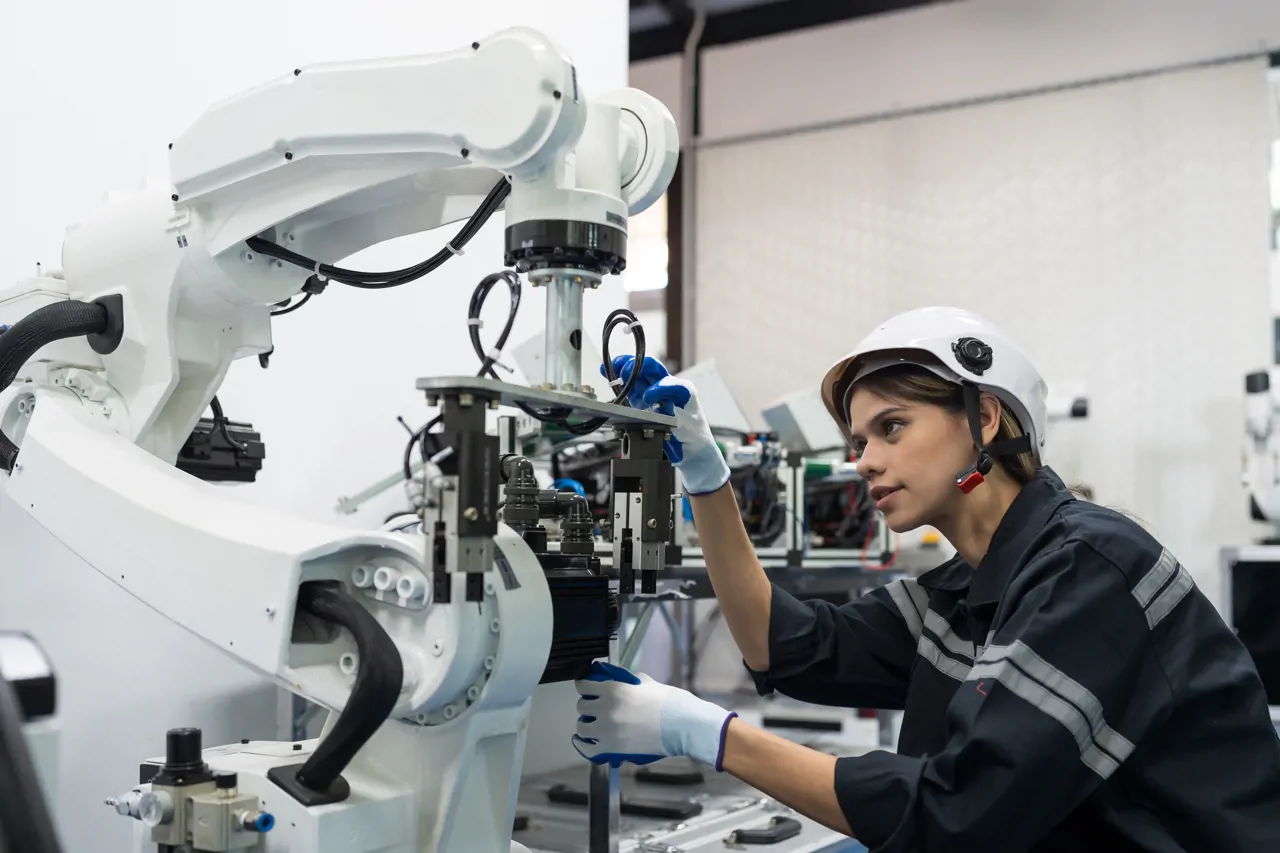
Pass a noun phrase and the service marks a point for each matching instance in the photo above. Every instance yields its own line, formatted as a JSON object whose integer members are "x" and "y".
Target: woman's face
{"x": 909, "y": 454}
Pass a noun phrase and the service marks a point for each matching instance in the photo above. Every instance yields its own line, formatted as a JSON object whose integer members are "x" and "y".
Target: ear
{"x": 989, "y": 409}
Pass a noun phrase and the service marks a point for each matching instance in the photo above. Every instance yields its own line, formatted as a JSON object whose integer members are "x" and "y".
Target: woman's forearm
{"x": 794, "y": 775}
{"x": 740, "y": 584}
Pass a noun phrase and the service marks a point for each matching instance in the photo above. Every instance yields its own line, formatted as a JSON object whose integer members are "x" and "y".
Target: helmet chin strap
{"x": 973, "y": 476}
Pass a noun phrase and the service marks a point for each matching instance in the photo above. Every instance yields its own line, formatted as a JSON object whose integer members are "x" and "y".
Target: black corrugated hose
{"x": 49, "y": 323}
{"x": 379, "y": 676}
{"x": 25, "y": 823}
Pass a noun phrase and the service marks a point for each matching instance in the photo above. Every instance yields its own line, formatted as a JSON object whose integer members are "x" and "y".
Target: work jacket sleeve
{"x": 856, "y": 655}
{"x": 1056, "y": 701}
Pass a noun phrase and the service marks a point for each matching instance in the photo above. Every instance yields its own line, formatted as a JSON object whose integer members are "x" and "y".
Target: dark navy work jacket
{"x": 1075, "y": 692}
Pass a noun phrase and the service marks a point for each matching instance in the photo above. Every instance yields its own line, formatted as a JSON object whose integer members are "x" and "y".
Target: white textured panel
{"x": 660, "y": 77}
{"x": 1118, "y": 231}
{"x": 950, "y": 53}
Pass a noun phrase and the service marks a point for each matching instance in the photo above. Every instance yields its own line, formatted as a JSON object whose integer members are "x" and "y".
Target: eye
{"x": 893, "y": 426}
{"x": 859, "y": 446}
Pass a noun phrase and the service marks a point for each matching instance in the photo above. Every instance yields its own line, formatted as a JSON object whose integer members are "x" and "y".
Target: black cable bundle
{"x": 379, "y": 280}
{"x": 379, "y": 677}
{"x": 49, "y": 323}
{"x": 556, "y": 417}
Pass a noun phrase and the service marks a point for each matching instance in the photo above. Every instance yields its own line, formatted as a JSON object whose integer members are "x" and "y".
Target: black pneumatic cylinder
{"x": 577, "y": 527}
{"x": 182, "y": 749}
{"x": 522, "y": 490}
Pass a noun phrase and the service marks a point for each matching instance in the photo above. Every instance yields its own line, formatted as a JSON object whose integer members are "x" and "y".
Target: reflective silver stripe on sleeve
{"x": 947, "y": 636}
{"x": 1156, "y": 577}
{"x": 912, "y": 602}
{"x": 945, "y": 665}
{"x": 987, "y": 643}
{"x": 1046, "y": 688}
{"x": 1169, "y": 597}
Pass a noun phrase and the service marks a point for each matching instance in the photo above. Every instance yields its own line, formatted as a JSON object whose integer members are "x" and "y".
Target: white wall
{"x": 949, "y": 53}
{"x": 90, "y": 93}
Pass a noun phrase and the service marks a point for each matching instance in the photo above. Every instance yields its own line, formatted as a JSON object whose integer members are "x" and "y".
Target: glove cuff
{"x": 699, "y": 728}
{"x": 724, "y": 732}
{"x": 704, "y": 471}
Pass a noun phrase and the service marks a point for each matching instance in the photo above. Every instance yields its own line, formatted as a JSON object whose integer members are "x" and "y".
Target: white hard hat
{"x": 958, "y": 346}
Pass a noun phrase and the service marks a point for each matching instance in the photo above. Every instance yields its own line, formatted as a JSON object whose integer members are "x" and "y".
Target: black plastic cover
{"x": 208, "y": 455}
{"x": 286, "y": 778}
{"x": 106, "y": 341}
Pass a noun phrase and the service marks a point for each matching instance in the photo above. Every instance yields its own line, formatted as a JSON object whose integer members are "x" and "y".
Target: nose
{"x": 870, "y": 462}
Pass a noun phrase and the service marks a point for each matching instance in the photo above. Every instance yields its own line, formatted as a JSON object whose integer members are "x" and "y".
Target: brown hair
{"x": 913, "y": 384}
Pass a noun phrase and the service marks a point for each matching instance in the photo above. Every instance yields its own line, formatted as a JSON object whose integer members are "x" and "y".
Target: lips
{"x": 880, "y": 494}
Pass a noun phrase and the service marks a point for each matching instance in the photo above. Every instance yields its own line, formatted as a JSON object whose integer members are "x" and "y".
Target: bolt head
{"x": 470, "y": 513}
{"x": 465, "y": 400}
{"x": 652, "y": 524}
{"x": 649, "y": 433}
{"x": 437, "y": 648}
{"x": 494, "y": 404}
{"x": 271, "y": 613}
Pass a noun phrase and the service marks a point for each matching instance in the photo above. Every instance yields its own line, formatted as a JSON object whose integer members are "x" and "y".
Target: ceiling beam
{"x": 753, "y": 22}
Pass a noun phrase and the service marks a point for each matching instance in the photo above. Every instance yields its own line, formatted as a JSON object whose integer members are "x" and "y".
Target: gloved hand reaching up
{"x": 691, "y": 447}
{"x": 627, "y": 718}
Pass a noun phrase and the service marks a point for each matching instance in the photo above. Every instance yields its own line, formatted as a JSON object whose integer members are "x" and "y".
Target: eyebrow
{"x": 879, "y": 418}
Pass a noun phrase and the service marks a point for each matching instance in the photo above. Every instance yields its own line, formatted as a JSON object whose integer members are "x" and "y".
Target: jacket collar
{"x": 1022, "y": 523}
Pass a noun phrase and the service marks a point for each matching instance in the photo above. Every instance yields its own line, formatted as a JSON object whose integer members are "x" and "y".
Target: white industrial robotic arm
{"x": 268, "y": 188}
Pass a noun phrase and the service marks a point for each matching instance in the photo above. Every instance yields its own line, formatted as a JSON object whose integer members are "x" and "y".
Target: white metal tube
{"x": 563, "y": 356}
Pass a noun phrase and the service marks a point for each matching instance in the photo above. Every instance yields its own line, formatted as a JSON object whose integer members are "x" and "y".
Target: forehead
{"x": 865, "y": 404}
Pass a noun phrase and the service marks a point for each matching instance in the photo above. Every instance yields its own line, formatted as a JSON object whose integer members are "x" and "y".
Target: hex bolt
{"x": 652, "y": 524}
{"x": 472, "y": 692}
{"x": 471, "y": 513}
{"x": 488, "y": 663}
{"x": 466, "y": 400}
{"x": 450, "y": 712}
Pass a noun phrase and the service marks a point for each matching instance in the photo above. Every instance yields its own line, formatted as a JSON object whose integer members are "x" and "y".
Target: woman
{"x": 1065, "y": 686}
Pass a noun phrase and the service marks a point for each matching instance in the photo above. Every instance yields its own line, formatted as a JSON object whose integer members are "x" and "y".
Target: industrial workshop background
{"x": 1110, "y": 207}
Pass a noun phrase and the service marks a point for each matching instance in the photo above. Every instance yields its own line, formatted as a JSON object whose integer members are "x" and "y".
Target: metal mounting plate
{"x": 509, "y": 394}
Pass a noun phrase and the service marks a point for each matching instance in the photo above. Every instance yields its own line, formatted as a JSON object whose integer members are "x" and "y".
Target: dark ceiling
{"x": 659, "y": 27}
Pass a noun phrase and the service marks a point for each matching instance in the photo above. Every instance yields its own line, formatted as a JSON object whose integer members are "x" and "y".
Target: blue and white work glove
{"x": 627, "y": 718}
{"x": 691, "y": 447}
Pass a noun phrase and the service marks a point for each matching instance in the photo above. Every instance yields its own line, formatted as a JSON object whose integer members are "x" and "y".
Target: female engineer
{"x": 1065, "y": 686}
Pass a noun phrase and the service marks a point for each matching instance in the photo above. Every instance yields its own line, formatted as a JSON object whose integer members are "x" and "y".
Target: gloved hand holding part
{"x": 691, "y": 447}
{"x": 625, "y": 718}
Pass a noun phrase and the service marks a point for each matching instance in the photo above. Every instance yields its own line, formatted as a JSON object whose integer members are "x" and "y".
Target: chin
{"x": 901, "y": 522}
